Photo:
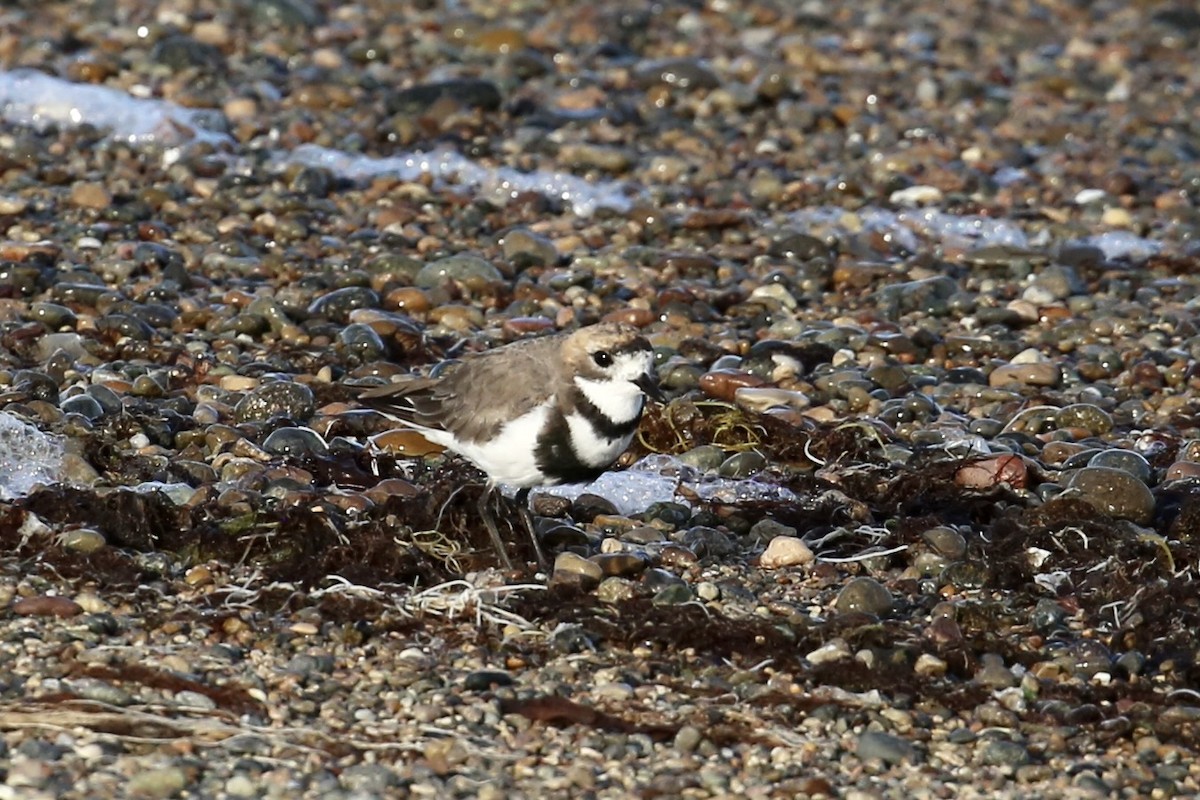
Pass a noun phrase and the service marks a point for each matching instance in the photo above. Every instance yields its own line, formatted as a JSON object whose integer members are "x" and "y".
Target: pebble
{"x": 467, "y": 269}
{"x": 1114, "y": 492}
{"x": 865, "y": 595}
{"x": 570, "y": 568}
{"x": 162, "y": 782}
{"x": 834, "y": 650}
{"x": 83, "y": 540}
{"x": 1036, "y": 374}
{"x": 45, "y": 606}
{"x": 276, "y": 399}
{"x": 885, "y": 747}
{"x": 785, "y": 551}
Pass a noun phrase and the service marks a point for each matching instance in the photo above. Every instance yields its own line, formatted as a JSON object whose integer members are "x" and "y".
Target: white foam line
{"x": 443, "y": 164}
{"x": 29, "y": 97}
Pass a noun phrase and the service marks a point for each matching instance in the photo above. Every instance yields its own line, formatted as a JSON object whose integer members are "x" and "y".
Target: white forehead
{"x": 630, "y": 366}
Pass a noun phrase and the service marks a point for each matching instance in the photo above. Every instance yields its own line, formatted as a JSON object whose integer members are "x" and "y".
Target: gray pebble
{"x": 866, "y": 595}
{"x": 885, "y": 747}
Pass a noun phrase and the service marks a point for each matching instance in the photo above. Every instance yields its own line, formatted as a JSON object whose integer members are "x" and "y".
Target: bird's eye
{"x": 602, "y": 358}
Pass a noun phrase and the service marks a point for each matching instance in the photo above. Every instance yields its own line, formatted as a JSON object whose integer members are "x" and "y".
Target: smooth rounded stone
{"x": 1126, "y": 461}
{"x": 468, "y": 92}
{"x": 619, "y": 691}
{"x": 620, "y": 564}
{"x": 785, "y": 551}
{"x": 53, "y": 315}
{"x": 764, "y": 398}
{"x": 1003, "y": 753}
{"x": 930, "y": 666}
{"x": 929, "y": 564}
{"x": 147, "y": 386}
{"x": 587, "y": 506}
{"x": 866, "y": 595}
{"x": 369, "y": 780}
{"x": 708, "y": 542}
{"x": 1114, "y": 492}
{"x": 643, "y": 534}
{"x": 886, "y": 747}
{"x": 573, "y": 569}
{"x": 297, "y": 442}
{"x": 679, "y": 73}
{"x": 1037, "y": 374}
{"x": 706, "y": 457}
{"x": 338, "y": 304}
{"x": 241, "y": 786}
{"x": 1182, "y": 470}
{"x": 83, "y": 404}
{"x": 276, "y": 399}
{"x": 37, "y": 385}
{"x": 767, "y": 529}
{"x": 673, "y": 596}
{"x": 463, "y": 267}
{"x": 993, "y": 674}
{"x": 101, "y": 692}
{"x": 45, "y": 606}
{"x": 966, "y": 575}
{"x": 524, "y": 248}
{"x": 655, "y": 579}
{"x": 107, "y": 398}
{"x": 189, "y": 699}
{"x": 481, "y": 680}
{"x": 561, "y": 535}
{"x": 82, "y": 540}
{"x": 549, "y": 505}
{"x": 1054, "y": 282}
{"x": 987, "y": 473}
{"x": 946, "y": 542}
{"x": 1093, "y": 419}
{"x": 743, "y": 465}
{"x": 68, "y": 343}
{"x": 688, "y": 738}
{"x": 835, "y": 649}
{"x": 679, "y": 376}
{"x": 887, "y": 376}
{"x": 359, "y": 341}
{"x": 157, "y": 784}
{"x": 724, "y": 383}
{"x": 616, "y": 590}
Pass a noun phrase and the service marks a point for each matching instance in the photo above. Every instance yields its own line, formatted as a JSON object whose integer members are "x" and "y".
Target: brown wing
{"x": 475, "y": 397}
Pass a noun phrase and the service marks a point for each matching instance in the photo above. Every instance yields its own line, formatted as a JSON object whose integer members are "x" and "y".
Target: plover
{"x": 537, "y": 412}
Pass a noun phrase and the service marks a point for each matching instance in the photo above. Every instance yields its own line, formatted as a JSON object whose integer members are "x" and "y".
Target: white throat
{"x": 620, "y": 401}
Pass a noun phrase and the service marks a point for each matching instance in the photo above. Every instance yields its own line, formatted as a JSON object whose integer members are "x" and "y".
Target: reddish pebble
{"x": 1183, "y": 469}
{"x": 404, "y": 442}
{"x": 638, "y": 317}
{"x": 520, "y": 326}
{"x": 392, "y": 487}
{"x": 724, "y": 383}
{"x": 993, "y": 471}
{"x": 408, "y": 299}
{"x": 46, "y": 606}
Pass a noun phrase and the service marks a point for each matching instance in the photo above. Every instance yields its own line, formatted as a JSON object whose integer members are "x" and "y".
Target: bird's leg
{"x": 522, "y": 501}
{"x": 489, "y": 522}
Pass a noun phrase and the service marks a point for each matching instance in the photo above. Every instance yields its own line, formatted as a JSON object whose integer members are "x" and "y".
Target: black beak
{"x": 649, "y": 384}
